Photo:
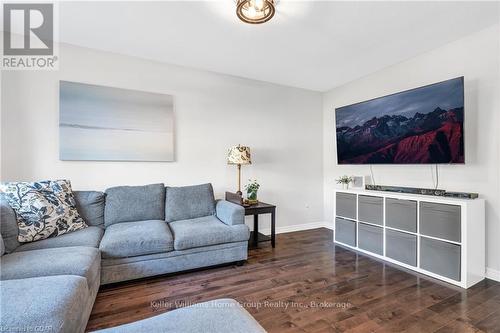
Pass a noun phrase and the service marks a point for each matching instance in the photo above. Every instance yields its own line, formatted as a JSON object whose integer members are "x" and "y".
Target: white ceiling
{"x": 309, "y": 44}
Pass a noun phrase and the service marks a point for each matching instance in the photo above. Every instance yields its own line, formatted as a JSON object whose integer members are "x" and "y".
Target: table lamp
{"x": 239, "y": 155}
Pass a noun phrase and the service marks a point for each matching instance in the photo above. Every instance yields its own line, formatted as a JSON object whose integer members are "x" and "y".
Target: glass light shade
{"x": 239, "y": 155}
{"x": 255, "y": 11}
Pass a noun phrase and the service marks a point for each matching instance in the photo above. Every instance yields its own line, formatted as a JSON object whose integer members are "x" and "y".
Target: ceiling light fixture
{"x": 255, "y": 11}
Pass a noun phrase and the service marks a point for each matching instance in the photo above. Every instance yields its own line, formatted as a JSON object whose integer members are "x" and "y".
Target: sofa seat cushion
{"x": 43, "y": 304}
{"x": 78, "y": 260}
{"x": 134, "y": 203}
{"x": 217, "y": 316}
{"x": 88, "y": 237}
{"x": 205, "y": 231}
{"x": 129, "y": 239}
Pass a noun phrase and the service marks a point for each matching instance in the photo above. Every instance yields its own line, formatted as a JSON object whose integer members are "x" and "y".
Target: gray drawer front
{"x": 440, "y": 220}
{"x": 346, "y": 205}
{"x": 401, "y": 214}
{"x": 371, "y": 209}
{"x": 401, "y": 246}
{"x": 371, "y": 238}
{"x": 345, "y": 231}
{"x": 440, "y": 257}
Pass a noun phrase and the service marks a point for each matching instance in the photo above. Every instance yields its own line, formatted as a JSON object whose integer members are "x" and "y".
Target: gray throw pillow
{"x": 189, "y": 202}
{"x": 134, "y": 203}
{"x": 43, "y": 209}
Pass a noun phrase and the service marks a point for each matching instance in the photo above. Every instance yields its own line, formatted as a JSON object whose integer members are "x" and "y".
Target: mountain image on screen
{"x": 419, "y": 126}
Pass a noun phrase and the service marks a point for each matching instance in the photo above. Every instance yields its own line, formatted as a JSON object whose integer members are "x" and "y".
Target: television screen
{"x": 418, "y": 126}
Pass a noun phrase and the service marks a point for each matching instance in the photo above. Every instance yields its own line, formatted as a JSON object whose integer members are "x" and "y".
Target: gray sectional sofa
{"x": 133, "y": 232}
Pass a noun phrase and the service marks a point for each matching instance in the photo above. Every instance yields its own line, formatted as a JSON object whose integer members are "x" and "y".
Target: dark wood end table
{"x": 255, "y": 236}
{"x": 260, "y": 208}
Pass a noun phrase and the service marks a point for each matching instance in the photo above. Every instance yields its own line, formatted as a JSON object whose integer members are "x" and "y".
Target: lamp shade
{"x": 239, "y": 155}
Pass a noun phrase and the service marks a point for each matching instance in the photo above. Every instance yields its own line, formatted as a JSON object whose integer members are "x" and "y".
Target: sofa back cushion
{"x": 90, "y": 205}
{"x": 134, "y": 203}
{"x": 8, "y": 225}
{"x": 189, "y": 202}
{"x": 2, "y": 246}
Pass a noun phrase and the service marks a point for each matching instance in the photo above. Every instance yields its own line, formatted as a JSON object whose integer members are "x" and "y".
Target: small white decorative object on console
{"x": 437, "y": 236}
{"x": 359, "y": 182}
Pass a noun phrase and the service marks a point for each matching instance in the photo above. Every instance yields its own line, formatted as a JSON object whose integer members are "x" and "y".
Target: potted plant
{"x": 345, "y": 181}
{"x": 252, "y": 187}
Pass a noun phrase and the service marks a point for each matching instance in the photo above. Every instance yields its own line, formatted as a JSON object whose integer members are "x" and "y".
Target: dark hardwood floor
{"x": 307, "y": 284}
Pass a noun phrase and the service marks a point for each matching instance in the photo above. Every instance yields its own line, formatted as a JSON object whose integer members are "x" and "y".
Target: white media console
{"x": 438, "y": 236}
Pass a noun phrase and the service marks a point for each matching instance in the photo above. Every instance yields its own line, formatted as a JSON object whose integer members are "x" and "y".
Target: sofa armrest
{"x": 230, "y": 213}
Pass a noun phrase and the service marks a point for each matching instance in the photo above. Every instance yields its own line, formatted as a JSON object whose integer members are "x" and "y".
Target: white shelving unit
{"x": 437, "y": 236}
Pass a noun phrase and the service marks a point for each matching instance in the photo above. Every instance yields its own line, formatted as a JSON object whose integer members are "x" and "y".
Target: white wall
{"x": 293, "y": 142}
{"x": 477, "y": 58}
{"x": 283, "y": 127}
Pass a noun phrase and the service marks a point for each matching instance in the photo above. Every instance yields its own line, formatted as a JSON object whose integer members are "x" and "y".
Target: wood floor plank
{"x": 308, "y": 284}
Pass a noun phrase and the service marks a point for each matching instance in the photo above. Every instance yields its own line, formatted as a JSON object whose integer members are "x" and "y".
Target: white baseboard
{"x": 298, "y": 227}
{"x": 492, "y": 274}
{"x": 328, "y": 225}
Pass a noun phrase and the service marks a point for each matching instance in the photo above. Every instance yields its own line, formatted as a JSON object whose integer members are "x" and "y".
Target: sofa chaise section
{"x": 59, "y": 304}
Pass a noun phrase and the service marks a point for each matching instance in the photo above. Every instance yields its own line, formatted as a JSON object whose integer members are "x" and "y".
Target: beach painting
{"x": 98, "y": 123}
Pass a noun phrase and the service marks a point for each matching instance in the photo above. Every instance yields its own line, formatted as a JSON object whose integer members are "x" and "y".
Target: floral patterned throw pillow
{"x": 43, "y": 209}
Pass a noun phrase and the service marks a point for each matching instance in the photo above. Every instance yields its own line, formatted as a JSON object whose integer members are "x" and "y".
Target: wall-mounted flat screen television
{"x": 418, "y": 126}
